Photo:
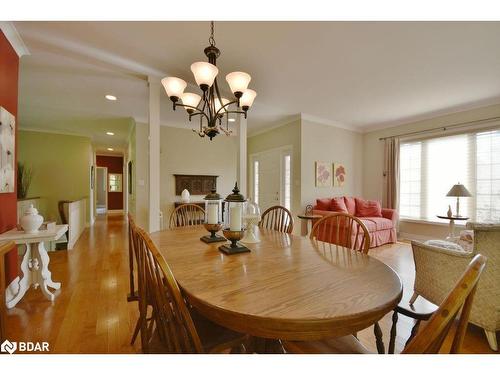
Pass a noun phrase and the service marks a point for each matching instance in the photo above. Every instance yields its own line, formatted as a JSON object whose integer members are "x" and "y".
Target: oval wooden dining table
{"x": 287, "y": 287}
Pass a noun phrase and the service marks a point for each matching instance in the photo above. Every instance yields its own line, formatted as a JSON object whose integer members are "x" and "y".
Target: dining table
{"x": 287, "y": 287}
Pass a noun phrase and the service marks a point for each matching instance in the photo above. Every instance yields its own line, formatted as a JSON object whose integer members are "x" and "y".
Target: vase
{"x": 185, "y": 196}
{"x": 31, "y": 220}
{"x": 449, "y": 213}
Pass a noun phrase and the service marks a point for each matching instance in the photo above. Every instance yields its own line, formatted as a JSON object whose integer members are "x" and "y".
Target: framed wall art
{"x": 323, "y": 174}
{"x": 339, "y": 174}
{"x": 7, "y": 151}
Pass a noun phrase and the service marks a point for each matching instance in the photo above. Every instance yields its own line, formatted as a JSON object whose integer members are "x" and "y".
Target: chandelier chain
{"x": 211, "y": 40}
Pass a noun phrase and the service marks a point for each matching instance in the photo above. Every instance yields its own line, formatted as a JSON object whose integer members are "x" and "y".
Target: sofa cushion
{"x": 338, "y": 205}
{"x": 323, "y": 204}
{"x": 377, "y": 223}
{"x": 350, "y": 203}
{"x": 368, "y": 208}
{"x": 445, "y": 245}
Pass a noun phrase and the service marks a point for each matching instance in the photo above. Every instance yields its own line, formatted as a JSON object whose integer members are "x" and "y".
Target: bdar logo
{"x": 8, "y": 347}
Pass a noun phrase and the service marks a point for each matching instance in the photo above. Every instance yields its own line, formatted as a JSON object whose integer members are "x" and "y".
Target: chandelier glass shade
{"x": 211, "y": 108}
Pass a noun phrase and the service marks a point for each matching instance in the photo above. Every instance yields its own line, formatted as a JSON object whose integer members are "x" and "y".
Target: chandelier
{"x": 211, "y": 107}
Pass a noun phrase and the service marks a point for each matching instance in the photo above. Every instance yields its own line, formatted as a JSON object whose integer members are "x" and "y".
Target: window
{"x": 256, "y": 181}
{"x": 430, "y": 167}
{"x": 287, "y": 180}
{"x": 115, "y": 182}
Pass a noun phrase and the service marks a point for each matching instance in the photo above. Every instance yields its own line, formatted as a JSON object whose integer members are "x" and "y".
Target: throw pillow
{"x": 323, "y": 204}
{"x": 338, "y": 205}
{"x": 368, "y": 208}
{"x": 350, "y": 203}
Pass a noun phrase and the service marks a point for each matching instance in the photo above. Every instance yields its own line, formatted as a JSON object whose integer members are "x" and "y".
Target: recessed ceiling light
{"x": 231, "y": 120}
{"x": 110, "y": 133}
{"x": 110, "y": 97}
{"x": 110, "y": 149}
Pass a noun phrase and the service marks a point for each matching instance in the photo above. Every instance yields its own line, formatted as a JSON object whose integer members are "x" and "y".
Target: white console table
{"x": 35, "y": 264}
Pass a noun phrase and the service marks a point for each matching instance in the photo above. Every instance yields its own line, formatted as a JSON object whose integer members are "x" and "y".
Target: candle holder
{"x": 212, "y": 228}
{"x": 234, "y": 248}
{"x": 234, "y": 227}
{"x": 213, "y": 213}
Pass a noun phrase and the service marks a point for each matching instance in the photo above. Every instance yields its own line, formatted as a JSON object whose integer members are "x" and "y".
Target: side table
{"x": 452, "y": 219}
{"x": 308, "y": 218}
{"x": 35, "y": 263}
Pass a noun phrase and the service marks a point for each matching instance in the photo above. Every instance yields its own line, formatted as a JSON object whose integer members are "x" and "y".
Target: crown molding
{"x": 275, "y": 125}
{"x": 14, "y": 38}
{"x": 335, "y": 124}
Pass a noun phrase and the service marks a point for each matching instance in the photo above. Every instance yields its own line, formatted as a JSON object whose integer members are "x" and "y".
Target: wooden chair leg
{"x": 414, "y": 331}
{"x": 378, "y": 338}
{"x": 137, "y": 329}
{"x": 392, "y": 342}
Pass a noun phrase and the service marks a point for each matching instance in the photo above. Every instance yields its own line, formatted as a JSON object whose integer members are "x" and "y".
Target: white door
{"x": 271, "y": 175}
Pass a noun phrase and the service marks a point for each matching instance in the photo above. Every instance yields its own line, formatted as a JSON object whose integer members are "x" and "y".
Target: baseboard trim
{"x": 114, "y": 212}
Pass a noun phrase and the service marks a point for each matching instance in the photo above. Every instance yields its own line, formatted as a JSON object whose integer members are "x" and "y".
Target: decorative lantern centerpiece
{"x": 234, "y": 229}
{"x": 251, "y": 218}
{"x": 213, "y": 213}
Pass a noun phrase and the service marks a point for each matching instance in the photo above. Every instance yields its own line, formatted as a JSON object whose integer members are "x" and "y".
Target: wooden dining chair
{"x": 347, "y": 231}
{"x": 188, "y": 214}
{"x": 342, "y": 229}
{"x": 133, "y": 260}
{"x": 132, "y": 296}
{"x": 175, "y": 328}
{"x": 429, "y": 339}
{"x": 277, "y": 218}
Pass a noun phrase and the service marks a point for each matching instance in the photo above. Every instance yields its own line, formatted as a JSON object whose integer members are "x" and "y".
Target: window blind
{"x": 430, "y": 167}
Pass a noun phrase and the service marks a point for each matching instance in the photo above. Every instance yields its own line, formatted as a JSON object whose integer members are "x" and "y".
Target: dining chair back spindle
{"x": 342, "y": 229}
{"x": 188, "y": 214}
{"x": 277, "y": 218}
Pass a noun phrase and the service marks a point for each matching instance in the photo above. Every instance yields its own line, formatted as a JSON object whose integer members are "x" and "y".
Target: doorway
{"x": 271, "y": 176}
{"x": 101, "y": 190}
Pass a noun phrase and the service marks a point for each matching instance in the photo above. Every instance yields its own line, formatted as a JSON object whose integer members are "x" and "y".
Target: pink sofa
{"x": 382, "y": 226}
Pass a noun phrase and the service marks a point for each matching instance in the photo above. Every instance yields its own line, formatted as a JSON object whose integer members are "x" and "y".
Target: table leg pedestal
{"x": 35, "y": 270}
{"x": 451, "y": 235}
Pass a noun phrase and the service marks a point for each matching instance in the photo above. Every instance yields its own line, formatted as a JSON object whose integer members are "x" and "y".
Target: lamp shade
{"x": 218, "y": 104}
{"x": 174, "y": 86}
{"x": 190, "y": 99}
{"x": 247, "y": 99}
{"x": 458, "y": 190}
{"x": 238, "y": 81}
{"x": 204, "y": 74}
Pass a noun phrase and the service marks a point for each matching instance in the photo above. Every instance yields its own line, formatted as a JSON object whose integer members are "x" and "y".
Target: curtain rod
{"x": 442, "y": 128}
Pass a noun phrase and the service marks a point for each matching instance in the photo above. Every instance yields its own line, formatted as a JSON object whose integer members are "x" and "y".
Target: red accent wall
{"x": 9, "y": 71}
{"x": 114, "y": 165}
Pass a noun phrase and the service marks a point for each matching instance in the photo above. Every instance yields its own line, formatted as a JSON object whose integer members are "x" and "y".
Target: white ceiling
{"x": 360, "y": 75}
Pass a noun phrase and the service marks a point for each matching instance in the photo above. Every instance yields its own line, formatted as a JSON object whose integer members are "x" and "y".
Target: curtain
{"x": 391, "y": 174}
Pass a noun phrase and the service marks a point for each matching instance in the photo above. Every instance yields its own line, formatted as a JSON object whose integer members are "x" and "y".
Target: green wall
{"x": 61, "y": 166}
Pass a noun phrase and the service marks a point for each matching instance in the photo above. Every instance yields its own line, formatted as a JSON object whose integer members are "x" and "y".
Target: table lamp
{"x": 458, "y": 191}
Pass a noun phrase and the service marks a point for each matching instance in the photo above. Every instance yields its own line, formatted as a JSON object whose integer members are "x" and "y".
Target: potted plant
{"x": 24, "y": 176}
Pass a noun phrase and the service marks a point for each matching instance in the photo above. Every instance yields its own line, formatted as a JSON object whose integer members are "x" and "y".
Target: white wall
{"x": 330, "y": 144}
{"x": 286, "y": 135}
{"x": 140, "y": 176}
{"x": 184, "y": 152}
{"x": 373, "y": 160}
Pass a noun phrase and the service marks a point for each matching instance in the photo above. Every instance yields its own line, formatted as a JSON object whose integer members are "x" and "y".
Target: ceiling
{"x": 358, "y": 75}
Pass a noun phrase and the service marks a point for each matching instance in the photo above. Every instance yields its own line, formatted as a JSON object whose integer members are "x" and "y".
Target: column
{"x": 241, "y": 168}
{"x": 154, "y": 153}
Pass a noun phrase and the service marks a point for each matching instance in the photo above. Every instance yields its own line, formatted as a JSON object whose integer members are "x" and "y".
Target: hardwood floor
{"x": 91, "y": 315}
